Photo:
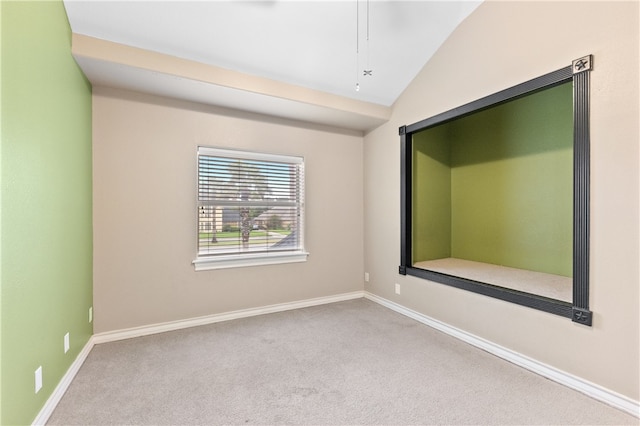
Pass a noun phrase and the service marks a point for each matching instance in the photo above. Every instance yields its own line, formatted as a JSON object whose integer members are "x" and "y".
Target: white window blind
{"x": 250, "y": 208}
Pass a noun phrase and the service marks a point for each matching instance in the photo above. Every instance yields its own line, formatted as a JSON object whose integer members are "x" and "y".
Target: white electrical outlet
{"x": 66, "y": 343}
{"x": 91, "y": 314}
{"x": 366, "y": 277}
{"x": 397, "y": 288}
{"x": 38, "y": 379}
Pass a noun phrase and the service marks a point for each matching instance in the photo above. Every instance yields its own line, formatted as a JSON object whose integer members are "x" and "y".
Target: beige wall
{"x": 144, "y": 151}
{"x": 144, "y": 195}
{"x": 499, "y": 45}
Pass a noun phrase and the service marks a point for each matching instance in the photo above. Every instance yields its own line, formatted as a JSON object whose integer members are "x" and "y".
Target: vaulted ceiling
{"x": 297, "y": 59}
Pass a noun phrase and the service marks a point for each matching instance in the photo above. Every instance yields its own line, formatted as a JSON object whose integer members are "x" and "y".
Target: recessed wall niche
{"x": 495, "y": 194}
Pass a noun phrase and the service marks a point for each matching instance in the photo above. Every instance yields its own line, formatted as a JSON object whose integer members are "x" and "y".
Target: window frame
{"x": 204, "y": 262}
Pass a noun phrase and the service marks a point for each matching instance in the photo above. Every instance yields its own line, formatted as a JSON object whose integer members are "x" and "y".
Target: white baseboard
{"x": 63, "y": 385}
{"x": 607, "y": 396}
{"x": 129, "y": 333}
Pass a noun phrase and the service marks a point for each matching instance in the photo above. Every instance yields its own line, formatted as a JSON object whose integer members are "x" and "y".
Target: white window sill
{"x": 244, "y": 260}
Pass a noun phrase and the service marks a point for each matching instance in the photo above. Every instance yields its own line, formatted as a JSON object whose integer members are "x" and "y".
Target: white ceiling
{"x": 304, "y": 43}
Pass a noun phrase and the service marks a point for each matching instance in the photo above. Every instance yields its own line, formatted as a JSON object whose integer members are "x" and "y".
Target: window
{"x": 250, "y": 209}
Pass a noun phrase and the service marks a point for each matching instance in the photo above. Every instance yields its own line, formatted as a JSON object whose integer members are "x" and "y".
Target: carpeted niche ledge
{"x": 548, "y": 285}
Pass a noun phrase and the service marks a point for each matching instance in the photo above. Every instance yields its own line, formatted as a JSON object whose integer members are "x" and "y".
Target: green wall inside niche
{"x": 432, "y": 194}
{"x": 497, "y": 186}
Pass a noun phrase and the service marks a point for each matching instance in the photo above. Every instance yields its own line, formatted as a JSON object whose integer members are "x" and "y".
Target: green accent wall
{"x": 46, "y": 213}
{"x": 1, "y": 381}
{"x": 511, "y": 185}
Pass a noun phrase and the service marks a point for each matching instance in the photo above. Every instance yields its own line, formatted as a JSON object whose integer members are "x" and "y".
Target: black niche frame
{"x": 578, "y": 73}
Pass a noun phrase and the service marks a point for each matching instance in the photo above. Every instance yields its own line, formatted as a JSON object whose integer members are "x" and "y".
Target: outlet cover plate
{"x": 66, "y": 343}
{"x": 38, "y": 376}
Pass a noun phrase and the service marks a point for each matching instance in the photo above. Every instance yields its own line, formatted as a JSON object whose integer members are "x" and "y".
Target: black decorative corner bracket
{"x": 402, "y": 270}
{"x": 582, "y": 64}
{"x": 581, "y": 316}
{"x": 402, "y": 130}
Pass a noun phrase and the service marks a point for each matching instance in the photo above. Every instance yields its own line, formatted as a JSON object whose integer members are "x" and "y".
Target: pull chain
{"x": 357, "y": 46}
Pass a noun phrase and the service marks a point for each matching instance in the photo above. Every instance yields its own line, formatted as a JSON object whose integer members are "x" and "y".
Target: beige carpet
{"x": 351, "y": 363}
{"x": 540, "y": 283}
